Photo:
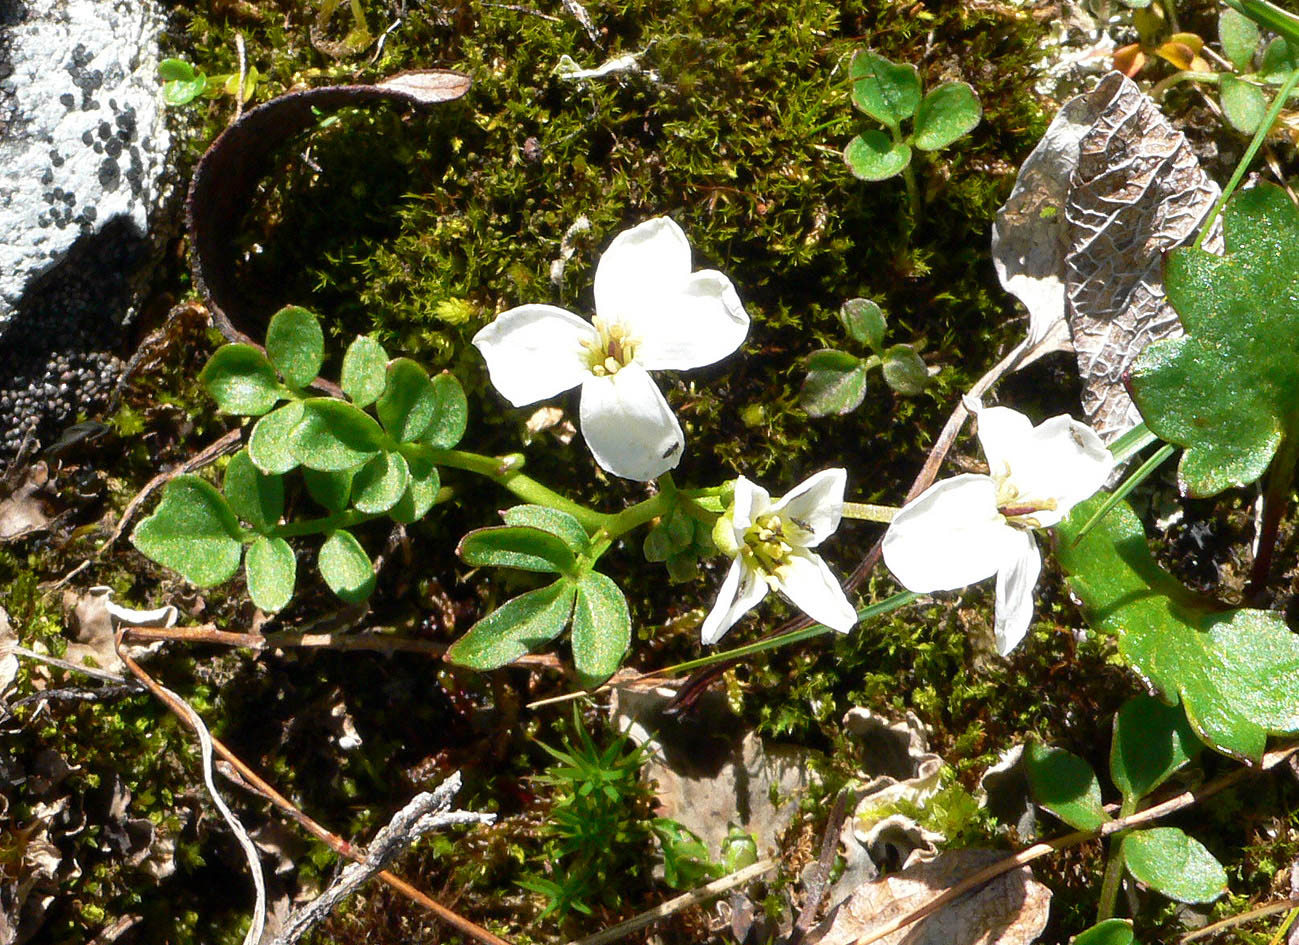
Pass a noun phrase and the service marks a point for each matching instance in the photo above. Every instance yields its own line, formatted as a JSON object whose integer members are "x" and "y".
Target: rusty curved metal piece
{"x": 230, "y": 169}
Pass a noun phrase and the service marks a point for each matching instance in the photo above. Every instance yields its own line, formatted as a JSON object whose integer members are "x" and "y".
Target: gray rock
{"x": 83, "y": 145}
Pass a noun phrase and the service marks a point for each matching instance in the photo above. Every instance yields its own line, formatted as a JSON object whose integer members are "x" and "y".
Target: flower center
{"x": 767, "y": 548}
{"x": 612, "y": 351}
{"x": 1017, "y": 508}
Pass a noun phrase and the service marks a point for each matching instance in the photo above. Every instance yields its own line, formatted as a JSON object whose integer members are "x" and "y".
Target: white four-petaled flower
{"x": 970, "y": 527}
{"x": 652, "y": 314}
{"x": 770, "y": 541}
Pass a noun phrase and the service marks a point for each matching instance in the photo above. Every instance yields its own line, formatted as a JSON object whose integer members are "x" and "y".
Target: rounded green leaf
{"x": 835, "y": 383}
{"x": 1109, "y": 932}
{"x": 1239, "y": 37}
{"x": 520, "y": 626}
{"x": 421, "y": 490}
{"x": 681, "y": 529}
{"x": 270, "y": 569}
{"x": 1151, "y": 741}
{"x": 1065, "y": 785}
{"x": 1277, "y": 61}
{"x": 255, "y": 497}
{"x": 334, "y": 435}
{"x": 1173, "y": 864}
{"x": 904, "y": 371}
{"x": 657, "y": 546}
{"x": 364, "y": 372}
{"x": 184, "y": 91}
{"x": 271, "y": 445}
{"x": 409, "y": 401}
{"x": 451, "y": 416}
{"x": 514, "y": 546}
{"x": 192, "y": 531}
{"x": 873, "y": 155}
{"x": 296, "y": 345}
{"x": 241, "y": 380}
{"x": 948, "y": 112}
{"x": 1243, "y": 104}
{"x": 864, "y": 321}
{"x": 601, "y": 629}
{"x": 175, "y": 70}
{"x": 887, "y": 91}
{"x": 380, "y": 483}
{"x": 346, "y": 567}
{"x": 330, "y": 489}
{"x": 560, "y": 524}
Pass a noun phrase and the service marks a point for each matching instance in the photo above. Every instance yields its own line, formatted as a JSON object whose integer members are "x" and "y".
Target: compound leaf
{"x": 1233, "y": 670}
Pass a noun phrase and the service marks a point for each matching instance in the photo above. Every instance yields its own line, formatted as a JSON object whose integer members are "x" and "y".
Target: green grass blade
{"x": 1138, "y": 476}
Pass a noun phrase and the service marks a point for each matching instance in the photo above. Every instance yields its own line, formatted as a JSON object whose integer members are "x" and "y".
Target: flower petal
{"x": 750, "y": 501}
{"x": 686, "y": 324}
{"x": 1060, "y": 459}
{"x": 629, "y": 426}
{"x": 806, "y": 581}
{"x": 741, "y": 592}
{"x": 1003, "y": 434}
{"x": 949, "y": 536}
{"x": 815, "y": 504}
{"x": 640, "y": 262}
{"x": 1016, "y": 578}
{"x": 535, "y": 351}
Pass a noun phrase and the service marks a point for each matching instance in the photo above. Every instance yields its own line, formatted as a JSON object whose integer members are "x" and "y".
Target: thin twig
{"x": 1039, "y": 850}
{"x": 332, "y": 840}
{"x": 71, "y": 667}
{"x": 1260, "y": 912}
{"x": 685, "y": 901}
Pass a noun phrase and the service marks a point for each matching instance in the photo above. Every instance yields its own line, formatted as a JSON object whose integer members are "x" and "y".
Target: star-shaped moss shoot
{"x": 1228, "y": 391}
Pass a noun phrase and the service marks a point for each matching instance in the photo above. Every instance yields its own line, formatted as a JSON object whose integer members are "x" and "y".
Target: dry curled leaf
{"x": 1010, "y": 910}
{"x": 1109, "y": 190}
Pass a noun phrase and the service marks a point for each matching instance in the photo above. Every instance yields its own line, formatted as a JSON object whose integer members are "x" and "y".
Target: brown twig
{"x": 1259, "y": 912}
{"x": 1039, "y": 850}
{"x": 332, "y": 840}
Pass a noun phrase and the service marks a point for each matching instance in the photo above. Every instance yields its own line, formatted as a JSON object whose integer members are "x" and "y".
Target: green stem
{"x": 869, "y": 513}
{"x": 1276, "y": 495}
{"x": 1259, "y": 137}
{"x": 885, "y": 606}
{"x": 1170, "y": 10}
{"x": 1113, "y": 880}
{"x": 505, "y": 472}
{"x": 328, "y": 523}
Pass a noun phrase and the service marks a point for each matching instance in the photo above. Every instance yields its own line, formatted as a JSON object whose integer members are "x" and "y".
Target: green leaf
{"x": 835, "y": 383}
{"x": 904, "y": 371}
{"x": 517, "y": 546}
{"x": 182, "y": 92}
{"x": 873, "y": 155}
{"x": 887, "y": 91}
{"x": 271, "y": 445}
{"x": 346, "y": 567}
{"x": 1232, "y": 669}
{"x": 271, "y": 570}
{"x": 560, "y": 524}
{"x": 255, "y": 497}
{"x": 334, "y": 435}
{"x": 1151, "y": 741}
{"x": 601, "y": 629}
{"x": 330, "y": 489}
{"x": 296, "y": 345}
{"x": 192, "y": 531}
{"x": 1277, "y": 62}
{"x": 451, "y": 415}
{"x": 1278, "y": 20}
{"x": 658, "y": 544}
{"x": 864, "y": 321}
{"x": 241, "y": 380}
{"x": 520, "y": 626}
{"x": 1065, "y": 785}
{"x": 175, "y": 70}
{"x": 681, "y": 529}
{"x": 1225, "y": 392}
{"x": 409, "y": 401}
{"x": 1109, "y": 932}
{"x": 380, "y": 483}
{"x": 421, "y": 491}
{"x": 1239, "y": 37}
{"x": 948, "y": 112}
{"x": 682, "y": 567}
{"x": 364, "y": 372}
{"x": 1243, "y": 103}
{"x": 1173, "y": 864}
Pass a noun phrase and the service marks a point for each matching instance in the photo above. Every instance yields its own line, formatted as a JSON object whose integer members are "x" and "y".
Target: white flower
{"x": 970, "y": 527}
{"x": 652, "y": 314}
{"x": 770, "y": 542}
